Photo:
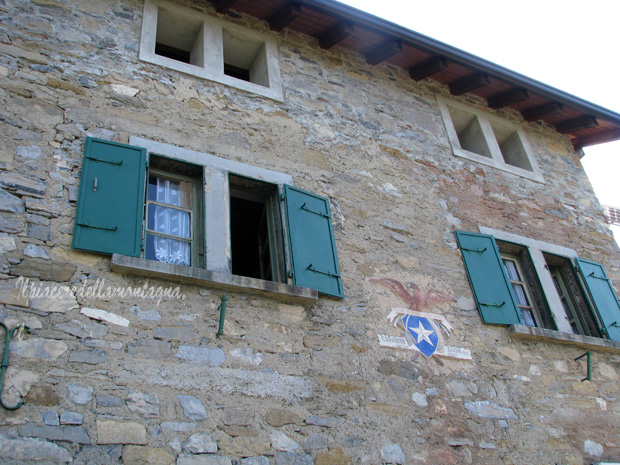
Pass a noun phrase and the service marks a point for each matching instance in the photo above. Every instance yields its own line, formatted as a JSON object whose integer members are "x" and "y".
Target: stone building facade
{"x": 123, "y": 363}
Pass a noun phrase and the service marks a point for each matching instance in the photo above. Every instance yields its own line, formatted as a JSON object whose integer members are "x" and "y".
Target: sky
{"x": 571, "y": 45}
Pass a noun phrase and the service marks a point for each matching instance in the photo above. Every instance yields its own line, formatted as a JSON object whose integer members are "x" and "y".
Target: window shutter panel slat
{"x": 602, "y": 296}
{"x": 111, "y": 199}
{"x": 313, "y": 248}
{"x": 489, "y": 283}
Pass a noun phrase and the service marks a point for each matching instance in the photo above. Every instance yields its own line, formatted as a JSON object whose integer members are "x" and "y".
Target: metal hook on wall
{"x": 5, "y": 362}
{"x": 588, "y": 354}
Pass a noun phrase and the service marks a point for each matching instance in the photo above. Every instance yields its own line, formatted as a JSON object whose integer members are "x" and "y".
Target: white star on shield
{"x": 423, "y": 333}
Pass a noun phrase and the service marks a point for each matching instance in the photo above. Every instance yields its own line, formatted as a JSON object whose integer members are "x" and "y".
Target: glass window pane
{"x": 528, "y": 317}
{"x": 171, "y": 192}
{"x": 511, "y": 269}
{"x": 167, "y": 250}
{"x": 520, "y": 295}
{"x": 169, "y": 221}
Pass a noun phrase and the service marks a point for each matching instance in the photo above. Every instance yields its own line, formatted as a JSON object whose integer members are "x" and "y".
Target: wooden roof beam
{"x": 222, "y": 6}
{"x": 469, "y": 83}
{"x": 285, "y": 16}
{"x": 542, "y": 111}
{"x": 507, "y": 98}
{"x": 336, "y": 35}
{"x": 576, "y": 124}
{"x": 384, "y": 52}
{"x": 428, "y": 68}
{"x": 593, "y": 139}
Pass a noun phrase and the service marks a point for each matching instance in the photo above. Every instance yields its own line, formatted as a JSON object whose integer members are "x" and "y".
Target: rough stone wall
{"x": 133, "y": 380}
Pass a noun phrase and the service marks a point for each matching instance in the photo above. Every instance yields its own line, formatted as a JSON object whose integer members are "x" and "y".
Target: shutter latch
{"x": 303, "y": 207}
{"x": 327, "y": 273}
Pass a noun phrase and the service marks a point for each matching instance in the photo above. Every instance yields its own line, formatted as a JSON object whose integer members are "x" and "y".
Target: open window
{"x": 256, "y": 229}
{"x": 530, "y": 283}
{"x": 249, "y": 221}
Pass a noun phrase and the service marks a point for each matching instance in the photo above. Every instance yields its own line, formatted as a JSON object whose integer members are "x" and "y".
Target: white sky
{"x": 571, "y": 45}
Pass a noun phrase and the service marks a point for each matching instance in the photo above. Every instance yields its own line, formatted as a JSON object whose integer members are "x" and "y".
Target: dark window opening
{"x": 256, "y": 234}
{"x": 172, "y": 52}
{"x": 237, "y": 72}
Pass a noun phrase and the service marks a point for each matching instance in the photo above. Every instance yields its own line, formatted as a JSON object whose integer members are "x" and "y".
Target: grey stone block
{"x": 91, "y": 357}
{"x": 291, "y": 458}
{"x": 75, "y": 434}
{"x": 71, "y": 418}
{"x": 79, "y": 394}
{"x": 28, "y": 450}
{"x": 212, "y": 356}
{"x": 50, "y": 418}
{"x": 193, "y": 408}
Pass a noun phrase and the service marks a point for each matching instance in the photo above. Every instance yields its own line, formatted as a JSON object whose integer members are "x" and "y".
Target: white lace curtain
{"x": 170, "y": 221}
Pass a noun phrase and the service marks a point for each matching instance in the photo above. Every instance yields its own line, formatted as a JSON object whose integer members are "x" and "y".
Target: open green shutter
{"x": 602, "y": 296}
{"x": 488, "y": 279}
{"x": 111, "y": 199}
{"x": 311, "y": 236}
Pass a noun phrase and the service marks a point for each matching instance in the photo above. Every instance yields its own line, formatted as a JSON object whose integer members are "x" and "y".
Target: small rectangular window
{"x": 179, "y": 37}
{"x": 173, "y": 212}
{"x": 245, "y": 58}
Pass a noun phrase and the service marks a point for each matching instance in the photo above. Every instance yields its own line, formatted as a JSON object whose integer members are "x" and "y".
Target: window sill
{"x": 199, "y": 276}
{"x": 558, "y": 337}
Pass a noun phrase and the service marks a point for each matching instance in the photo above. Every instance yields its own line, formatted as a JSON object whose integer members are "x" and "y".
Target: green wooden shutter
{"x": 602, "y": 296}
{"x": 111, "y": 199}
{"x": 311, "y": 236}
{"x": 489, "y": 283}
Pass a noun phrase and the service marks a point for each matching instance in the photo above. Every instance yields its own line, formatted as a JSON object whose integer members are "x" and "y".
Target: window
{"x": 182, "y": 39}
{"x": 255, "y": 229}
{"x": 173, "y": 212}
{"x": 521, "y": 291}
{"x": 487, "y": 139}
{"x": 517, "y": 280}
{"x": 248, "y": 221}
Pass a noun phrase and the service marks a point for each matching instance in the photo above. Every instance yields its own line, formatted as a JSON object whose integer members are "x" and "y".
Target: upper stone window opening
{"x": 488, "y": 139}
{"x": 179, "y": 37}
{"x": 195, "y": 43}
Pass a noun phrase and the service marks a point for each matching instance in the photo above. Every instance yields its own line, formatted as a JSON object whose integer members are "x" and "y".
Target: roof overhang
{"x": 334, "y": 24}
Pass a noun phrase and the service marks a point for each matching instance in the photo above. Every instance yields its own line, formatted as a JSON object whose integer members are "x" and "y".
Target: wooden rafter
{"x": 469, "y": 83}
{"x": 336, "y": 35}
{"x": 384, "y": 52}
{"x": 542, "y": 111}
{"x": 428, "y": 68}
{"x": 222, "y": 6}
{"x": 576, "y": 124}
{"x": 598, "y": 138}
{"x": 507, "y": 98}
{"x": 285, "y": 16}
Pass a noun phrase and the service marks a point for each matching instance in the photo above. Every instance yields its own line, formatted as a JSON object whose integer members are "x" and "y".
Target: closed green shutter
{"x": 602, "y": 296}
{"x": 489, "y": 283}
{"x": 111, "y": 199}
{"x": 313, "y": 248}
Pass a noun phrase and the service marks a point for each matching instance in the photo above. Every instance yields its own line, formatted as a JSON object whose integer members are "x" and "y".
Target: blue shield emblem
{"x": 424, "y": 333}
